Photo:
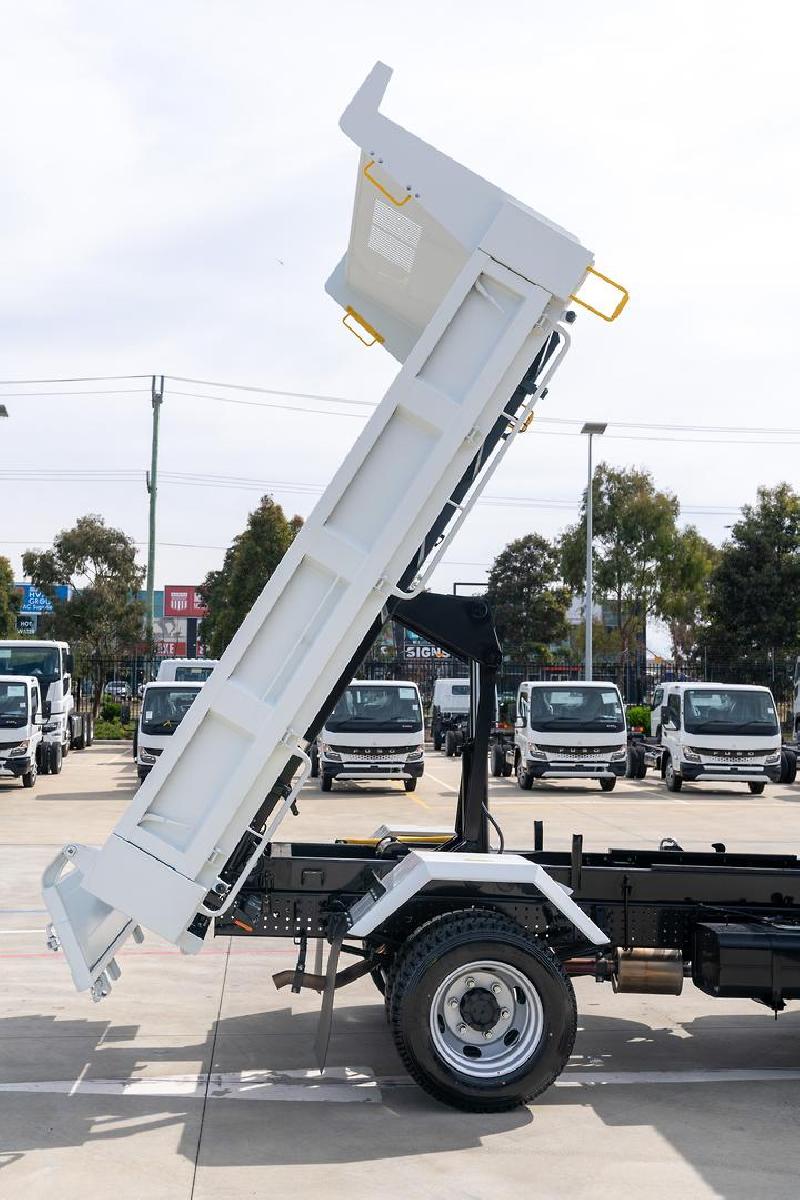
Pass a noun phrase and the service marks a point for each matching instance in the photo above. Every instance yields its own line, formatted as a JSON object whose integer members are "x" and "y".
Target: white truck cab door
{"x": 671, "y": 721}
{"x": 521, "y": 727}
{"x": 655, "y": 712}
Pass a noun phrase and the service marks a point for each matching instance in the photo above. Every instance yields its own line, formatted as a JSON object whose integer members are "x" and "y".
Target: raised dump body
{"x": 465, "y": 286}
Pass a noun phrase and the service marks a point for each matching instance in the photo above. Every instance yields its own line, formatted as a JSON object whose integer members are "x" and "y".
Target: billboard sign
{"x": 34, "y": 601}
{"x": 26, "y": 623}
{"x": 183, "y": 601}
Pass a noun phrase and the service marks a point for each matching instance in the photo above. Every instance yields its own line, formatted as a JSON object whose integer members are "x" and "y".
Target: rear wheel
{"x": 66, "y": 745}
{"x": 326, "y": 782}
{"x": 450, "y": 743}
{"x": 641, "y": 763}
{"x": 79, "y": 739}
{"x": 88, "y": 736}
{"x": 756, "y": 788}
{"x": 498, "y": 761}
{"x": 672, "y": 779}
{"x": 482, "y": 1015}
{"x": 608, "y": 785}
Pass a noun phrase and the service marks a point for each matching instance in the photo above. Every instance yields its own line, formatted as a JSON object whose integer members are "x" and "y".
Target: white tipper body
{"x": 465, "y": 285}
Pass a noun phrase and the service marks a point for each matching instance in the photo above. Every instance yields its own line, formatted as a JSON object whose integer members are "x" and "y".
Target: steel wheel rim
{"x": 512, "y": 1037}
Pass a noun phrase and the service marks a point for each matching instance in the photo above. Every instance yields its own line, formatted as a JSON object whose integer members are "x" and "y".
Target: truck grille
{"x": 580, "y": 751}
{"x": 372, "y": 752}
{"x": 732, "y": 755}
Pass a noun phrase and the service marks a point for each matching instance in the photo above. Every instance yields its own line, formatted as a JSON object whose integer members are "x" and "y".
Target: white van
{"x": 185, "y": 670}
{"x": 570, "y": 731}
{"x": 374, "y": 732}
{"x": 716, "y": 733}
{"x": 164, "y": 705}
{"x": 449, "y": 711}
{"x": 21, "y": 745}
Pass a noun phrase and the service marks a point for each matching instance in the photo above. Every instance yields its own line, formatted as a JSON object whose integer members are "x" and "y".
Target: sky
{"x": 175, "y": 190}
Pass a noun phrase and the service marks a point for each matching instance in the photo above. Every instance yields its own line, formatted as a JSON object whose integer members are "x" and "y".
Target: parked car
{"x": 117, "y": 689}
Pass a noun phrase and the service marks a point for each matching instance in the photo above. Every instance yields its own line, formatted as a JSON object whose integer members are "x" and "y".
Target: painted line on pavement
{"x": 342, "y": 1085}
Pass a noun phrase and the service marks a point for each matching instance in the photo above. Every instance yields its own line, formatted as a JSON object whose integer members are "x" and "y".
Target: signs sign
{"x": 34, "y": 601}
{"x": 183, "y": 601}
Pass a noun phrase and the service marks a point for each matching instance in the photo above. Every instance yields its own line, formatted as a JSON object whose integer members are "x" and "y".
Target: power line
{"x": 74, "y": 379}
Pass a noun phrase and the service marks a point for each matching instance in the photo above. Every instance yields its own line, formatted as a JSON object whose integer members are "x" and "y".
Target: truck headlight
{"x": 146, "y": 755}
{"x": 690, "y": 755}
{"x": 616, "y": 755}
{"x": 416, "y": 753}
{"x": 775, "y": 757}
{"x": 536, "y": 751}
{"x": 15, "y": 751}
{"x": 329, "y": 752}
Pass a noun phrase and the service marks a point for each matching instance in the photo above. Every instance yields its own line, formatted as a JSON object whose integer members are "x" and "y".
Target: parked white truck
{"x": 569, "y": 731}
{"x": 164, "y": 705}
{"x": 449, "y": 713}
{"x": 21, "y": 745}
{"x": 51, "y": 664}
{"x": 375, "y": 732}
{"x": 713, "y": 733}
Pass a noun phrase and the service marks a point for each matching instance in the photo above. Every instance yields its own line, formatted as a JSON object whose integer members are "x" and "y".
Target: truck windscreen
{"x": 576, "y": 710}
{"x": 390, "y": 709}
{"x": 42, "y": 661}
{"x": 163, "y": 709}
{"x": 13, "y": 705}
{"x": 729, "y": 711}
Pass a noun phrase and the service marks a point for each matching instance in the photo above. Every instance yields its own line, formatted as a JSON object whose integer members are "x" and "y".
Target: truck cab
{"x": 20, "y": 728}
{"x": 449, "y": 713}
{"x": 375, "y": 732}
{"x": 164, "y": 705}
{"x": 51, "y": 664}
{"x": 185, "y": 670}
{"x": 716, "y": 733}
{"x": 570, "y": 731}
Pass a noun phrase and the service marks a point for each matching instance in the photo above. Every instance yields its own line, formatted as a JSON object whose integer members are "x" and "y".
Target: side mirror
{"x": 519, "y": 723}
{"x": 69, "y": 662}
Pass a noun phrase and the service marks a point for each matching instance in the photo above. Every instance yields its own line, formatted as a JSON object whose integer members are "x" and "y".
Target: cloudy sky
{"x": 175, "y": 190}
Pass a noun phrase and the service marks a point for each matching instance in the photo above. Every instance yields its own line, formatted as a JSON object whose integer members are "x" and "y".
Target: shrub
{"x": 111, "y": 730}
{"x": 639, "y": 714}
{"x": 110, "y": 710}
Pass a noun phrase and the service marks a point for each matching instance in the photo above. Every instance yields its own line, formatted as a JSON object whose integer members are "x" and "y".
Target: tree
{"x": 249, "y": 562}
{"x": 102, "y": 616}
{"x": 640, "y": 557}
{"x": 528, "y": 597}
{"x": 9, "y": 601}
{"x": 684, "y": 591}
{"x": 754, "y": 590}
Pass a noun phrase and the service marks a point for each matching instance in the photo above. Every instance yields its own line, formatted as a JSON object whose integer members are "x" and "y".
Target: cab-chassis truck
{"x": 472, "y": 945}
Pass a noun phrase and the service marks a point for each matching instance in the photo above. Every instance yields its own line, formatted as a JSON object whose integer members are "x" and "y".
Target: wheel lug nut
{"x": 487, "y": 1034}
{"x": 453, "y": 1002}
{"x": 496, "y": 989}
{"x": 470, "y": 983}
{"x": 462, "y": 1029}
{"x": 505, "y": 1013}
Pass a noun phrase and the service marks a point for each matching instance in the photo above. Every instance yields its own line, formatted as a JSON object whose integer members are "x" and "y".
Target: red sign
{"x": 183, "y": 601}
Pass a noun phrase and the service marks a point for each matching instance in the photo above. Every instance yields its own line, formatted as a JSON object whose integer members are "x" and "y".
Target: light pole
{"x": 591, "y": 428}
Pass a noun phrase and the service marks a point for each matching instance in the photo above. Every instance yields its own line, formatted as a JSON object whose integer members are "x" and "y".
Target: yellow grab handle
{"x": 351, "y": 312}
{"x": 397, "y": 203}
{"x": 598, "y": 312}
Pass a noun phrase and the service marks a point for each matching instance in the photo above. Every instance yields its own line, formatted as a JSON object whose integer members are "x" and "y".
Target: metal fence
{"x": 122, "y": 680}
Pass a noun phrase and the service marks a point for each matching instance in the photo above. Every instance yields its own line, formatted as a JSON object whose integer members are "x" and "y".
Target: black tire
{"x": 135, "y": 742}
{"x": 450, "y": 743}
{"x": 66, "y": 745}
{"x": 508, "y": 769}
{"x": 79, "y": 739}
{"x": 630, "y": 763}
{"x": 456, "y": 940}
{"x": 641, "y": 763}
{"x": 314, "y": 756}
{"x": 788, "y": 766}
{"x": 326, "y": 782}
{"x": 29, "y": 778}
{"x": 437, "y": 739}
{"x": 524, "y": 777}
{"x": 56, "y": 758}
{"x": 608, "y": 785}
{"x": 89, "y": 735}
{"x": 410, "y": 784}
{"x": 756, "y": 788}
{"x": 498, "y": 761}
{"x": 672, "y": 779}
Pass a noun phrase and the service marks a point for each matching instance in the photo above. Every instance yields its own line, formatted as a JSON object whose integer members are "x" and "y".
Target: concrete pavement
{"x": 192, "y": 1079}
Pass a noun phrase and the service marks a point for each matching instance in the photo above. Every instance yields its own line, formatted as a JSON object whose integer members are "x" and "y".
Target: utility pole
{"x": 591, "y": 428}
{"x": 157, "y": 395}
